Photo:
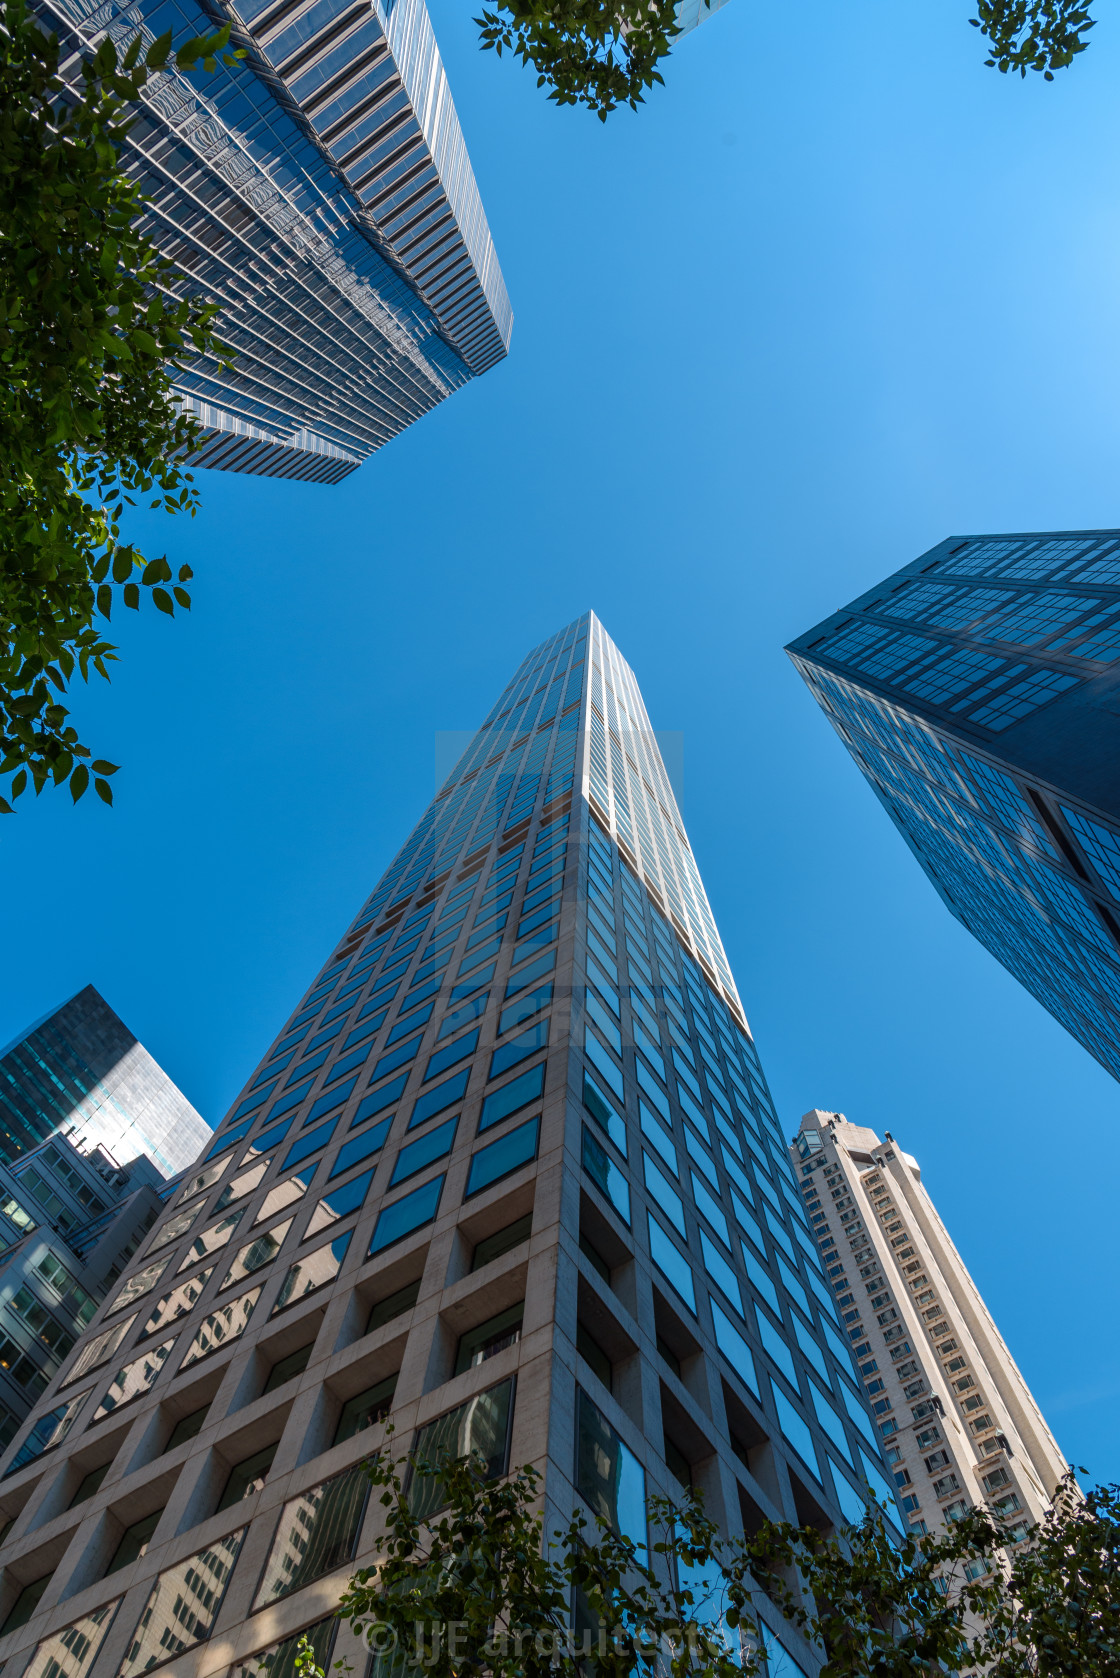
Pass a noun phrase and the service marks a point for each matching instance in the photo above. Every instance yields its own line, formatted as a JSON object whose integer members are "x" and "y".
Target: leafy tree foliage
{"x": 1027, "y": 35}
{"x": 488, "y": 1594}
{"x": 606, "y": 53}
{"x": 92, "y": 328}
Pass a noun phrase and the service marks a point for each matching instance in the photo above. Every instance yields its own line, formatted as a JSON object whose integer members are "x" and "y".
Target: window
{"x": 411, "y": 1212}
{"x": 365, "y": 1409}
{"x": 222, "y": 1326}
{"x": 734, "y": 1347}
{"x": 461, "y": 1016}
{"x": 360, "y": 1147}
{"x": 134, "y": 1542}
{"x": 318, "y": 1531}
{"x": 247, "y": 1477}
{"x": 437, "y": 1100}
{"x": 501, "y": 1242}
{"x": 238, "y": 1187}
{"x": 339, "y": 1204}
{"x": 518, "y": 1049}
{"x": 416, "y": 1156}
{"x": 518, "y": 1093}
{"x": 443, "y": 1058}
{"x": 176, "y": 1304}
{"x": 286, "y": 1369}
{"x": 90, "y": 1484}
{"x": 287, "y": 1193}
{"x": 603, "y": 1113}
{"x": 608, "y": 1475}
{"x": 314, "y": 1270}
{"x": 25, "y": 1605}
{"x": 392, "y": 1306}
{"x": 481, "y": 1424}
{"x": 141, "y": 1283}
{"x": 672, "y": 1264}
{"x": 182, "y": 1606}
{"x": 524, "y": 1008}
{"x": 501, "y": 1158}
{"x": 133, "y": 1380}
{"x": 74, "y": 1649}
{"x": 187, "y": 1428}
{"x": 309, "y": 1144}
{"x": 100, "y": 1348}
{"x": 489, "y": 1338}
{"x": 256, "y": 1254}
{"x": 605, "y": 1174}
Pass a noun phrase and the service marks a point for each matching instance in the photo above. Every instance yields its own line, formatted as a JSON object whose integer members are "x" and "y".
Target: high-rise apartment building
{"x": 511, "y": 1176}
{"x": 320, "y": 191}
{"x": 80, "y": 1073}
{"x": 958, "y": 1422}
{"x": 978, "y": 690}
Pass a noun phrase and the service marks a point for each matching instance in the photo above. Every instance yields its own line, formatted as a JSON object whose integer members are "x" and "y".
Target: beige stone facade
{"x": 958, "y": 1423}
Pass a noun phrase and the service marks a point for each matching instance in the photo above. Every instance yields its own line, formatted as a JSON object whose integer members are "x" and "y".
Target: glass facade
{"x": 978, "y": 690}
{"x": 510, "y": 1178}
{"x": 320, "y": 191}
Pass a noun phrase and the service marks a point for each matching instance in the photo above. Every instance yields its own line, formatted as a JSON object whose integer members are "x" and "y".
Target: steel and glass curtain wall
{"x": 320, "y": 191}
{"x": 978, "y": 690}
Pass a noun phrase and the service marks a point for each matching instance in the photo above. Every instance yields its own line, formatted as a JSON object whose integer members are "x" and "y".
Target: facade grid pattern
{"x": 989, "y": 738}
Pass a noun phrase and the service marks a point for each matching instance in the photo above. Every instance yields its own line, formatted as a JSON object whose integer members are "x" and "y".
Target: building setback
{"x": 80, "y": 1072}
{"x": 958, "y": 1422}
{"x": 978, "y": 690}
{"x": 320, "y": 192}
{"x": 509, "y": 1175}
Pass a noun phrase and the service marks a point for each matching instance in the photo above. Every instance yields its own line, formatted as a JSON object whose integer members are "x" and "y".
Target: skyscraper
{"x": 81, "y": 1073}
{"x": 320, "y": 191}
{"x": 511, "y": 1175}
{"x": 958, "y": 1422}
{"x": 978, "y": 689}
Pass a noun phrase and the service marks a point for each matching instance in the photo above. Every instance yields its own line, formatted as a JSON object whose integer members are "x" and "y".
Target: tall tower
{"x": 320, "y": 191}
{"x": 958, "y": 1422}
{"x": 978, "y": 690}
{"x": 510, "y": 1175}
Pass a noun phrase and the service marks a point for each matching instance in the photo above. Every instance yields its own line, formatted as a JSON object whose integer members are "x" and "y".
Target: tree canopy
{"x": 606, "y": 53}
{"x": 470, "y": 1585}
{"x": 93, "y": 325}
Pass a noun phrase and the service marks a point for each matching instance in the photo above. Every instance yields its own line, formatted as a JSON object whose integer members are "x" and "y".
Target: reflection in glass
{"x": 71, "y": 1652}
{"x": 211, "y": 1239}
{"x": 135, "y": 1378}
{"x": 312, "y": 1271}
{"x": 50, "y": 1430}
{"x": 481, "y": 1424}
{"x": 100, "y": 1348}
{"x": 182, "y": 1606}
{"x": 339, "y": 1203}
{"x": 318, "y": 1532}
{"x": 285, "y": 1194}
{"x": 143, "y": 1282}
{"x": 221, "y": 1327}
{"x": 256, "y": 1254}
{"x": 177, "y": 1303}
{"x": 608, "y": 1474}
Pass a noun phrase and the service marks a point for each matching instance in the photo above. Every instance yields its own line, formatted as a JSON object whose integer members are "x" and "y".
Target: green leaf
{"x": 163, "y": 600}
{"x": 79, "y": 781}
{"x": 103, "y": 790}
{"x": 102, "y": 767}
{"x": 131, "y": 596}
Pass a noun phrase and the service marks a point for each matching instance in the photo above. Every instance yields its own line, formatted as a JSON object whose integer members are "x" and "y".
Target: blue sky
{"x": 835, "y": 293}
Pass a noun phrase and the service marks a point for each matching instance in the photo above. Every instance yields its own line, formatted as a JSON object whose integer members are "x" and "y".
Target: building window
{"x": 608, "y": 1475}
{"x": 480, "y": 1424}
{"x": 318, "y": 1531}
{"x": 182, "y": 1606}
{"x": 365, "y": 1409}
{"x": 501, "y": 1158}
{"x": 74, "y": 1649}
{"x": 246, "y": 1478}
{"x": 221, "y": 1327}
{"x": 489, "y": 1338}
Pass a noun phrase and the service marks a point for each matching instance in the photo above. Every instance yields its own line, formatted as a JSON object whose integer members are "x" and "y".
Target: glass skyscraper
{"x": 320, "y": 191}
{"x": 82, "y": 1074}
{"x": 510, "y": 1175}
{"x": 978, "y": 690}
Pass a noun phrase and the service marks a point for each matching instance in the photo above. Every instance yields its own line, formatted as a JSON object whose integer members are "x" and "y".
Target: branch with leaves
{"x": 94, "y": 324}
{"x": 477, "y": 1590}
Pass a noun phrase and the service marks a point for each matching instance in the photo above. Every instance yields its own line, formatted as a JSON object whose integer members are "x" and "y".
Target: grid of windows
{"x": 1029, "y": 869}
{"x": 525, "y": 993}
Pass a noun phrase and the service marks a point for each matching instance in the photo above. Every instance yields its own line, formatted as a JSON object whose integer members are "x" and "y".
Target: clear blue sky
{"x": 833, "y": 294}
